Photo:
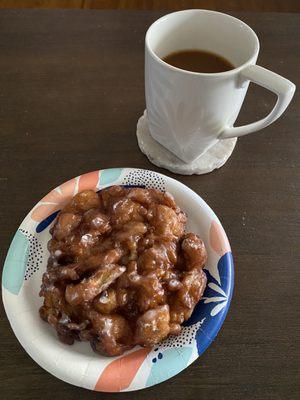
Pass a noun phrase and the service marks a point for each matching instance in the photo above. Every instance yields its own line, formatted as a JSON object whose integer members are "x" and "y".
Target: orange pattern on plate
{"x": 60, "y": 196}
{"x": 218, "y": 239}
{"x": 119, "y": 374}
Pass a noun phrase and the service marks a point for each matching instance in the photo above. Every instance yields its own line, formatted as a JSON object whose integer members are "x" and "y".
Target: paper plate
{"x": 78, "y": 364}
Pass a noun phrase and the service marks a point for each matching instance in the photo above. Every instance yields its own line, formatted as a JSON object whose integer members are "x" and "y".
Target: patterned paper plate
{"x": 78, "y": 364}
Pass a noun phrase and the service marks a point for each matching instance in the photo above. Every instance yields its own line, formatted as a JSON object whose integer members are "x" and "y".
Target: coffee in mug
{"x": 198, "y": 61}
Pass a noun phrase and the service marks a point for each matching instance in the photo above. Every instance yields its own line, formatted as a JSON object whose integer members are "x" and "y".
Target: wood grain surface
{"x": 220, "y": 5}
{"x": 71, "y": 90}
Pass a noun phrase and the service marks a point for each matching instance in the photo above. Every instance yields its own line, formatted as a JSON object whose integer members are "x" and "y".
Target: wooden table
{"x": 71, "y": 90}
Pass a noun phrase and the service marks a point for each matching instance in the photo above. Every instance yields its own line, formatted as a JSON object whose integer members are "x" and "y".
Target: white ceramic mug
{"x": 188, "y": 112}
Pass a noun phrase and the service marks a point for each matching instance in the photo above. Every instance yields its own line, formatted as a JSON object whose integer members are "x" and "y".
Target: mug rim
{"x": 206, "y": 74}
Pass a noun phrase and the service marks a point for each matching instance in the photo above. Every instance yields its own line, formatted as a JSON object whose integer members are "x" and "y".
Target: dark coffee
{"x": 199, "y": 61}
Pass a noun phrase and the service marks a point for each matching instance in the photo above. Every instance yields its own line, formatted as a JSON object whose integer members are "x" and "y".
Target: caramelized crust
{"x": 122, "y": 271}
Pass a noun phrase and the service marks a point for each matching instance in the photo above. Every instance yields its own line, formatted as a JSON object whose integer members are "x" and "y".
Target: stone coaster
{"x": 213, "y": 158}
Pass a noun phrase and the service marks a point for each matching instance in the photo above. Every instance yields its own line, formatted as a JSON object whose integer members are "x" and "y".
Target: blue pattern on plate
{"x": 108, "y": 176}
{"x": 202, "y": 341}
{"x": 15, "y": 263}
{"x": 133, "y": 186}
{"x": 46, "y": 222}
{"x": 213, "y": 307}
{"x": 170, "y": 363}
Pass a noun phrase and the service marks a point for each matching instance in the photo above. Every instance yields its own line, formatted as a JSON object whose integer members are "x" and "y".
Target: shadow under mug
{"x": 189, "y": 112}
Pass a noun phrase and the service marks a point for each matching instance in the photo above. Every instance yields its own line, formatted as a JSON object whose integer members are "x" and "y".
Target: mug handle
{"x": 283, "y": 88}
